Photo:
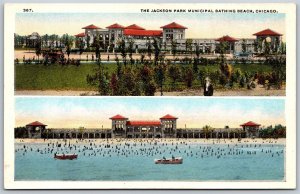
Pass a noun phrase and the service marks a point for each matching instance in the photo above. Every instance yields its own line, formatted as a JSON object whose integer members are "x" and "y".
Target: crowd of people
{"x": 157, "y": 148}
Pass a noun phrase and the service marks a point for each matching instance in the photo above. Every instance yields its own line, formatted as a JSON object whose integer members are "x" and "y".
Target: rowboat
{"x": 172, "y": 160}
{"x": 65, "y": 156}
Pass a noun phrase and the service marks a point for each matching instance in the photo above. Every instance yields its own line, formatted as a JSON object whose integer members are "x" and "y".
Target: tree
{"x": 130, "y": 49}
{"x": 160, "y": 76}
{"x": 197, "y": 52}
{"x": 38, "y": 49}
{"x": 88, "y": 40}
{"x": 267, "y": 49}
{"x": 255, "y": 45}
{"x": 189, "y": 45}
{"x": 222, "y": 47}
{"x": 81, "y": 47}
{"x": 114, "y": 84}
{"x": 127, "y": 83}
{"x": 207, "y": 130}
{"x": 97, "y": 45}
{"x": 226, "y": 70}
{"x": 188, "y": 75}
{"x": 174, "y": 48}
{"x": 100, "y": 80}
{"x": 122, "y": 48}
{"x": 174, "y": 74}
{"x": 244, "y": 46}
{"x": 142, "y": 54}
{"x": 278, "y": 64}
{"x": 68, "y": 42}
{"x": 45, "y": 40}
{"x": 149, "y": 48}
{"x": 157, "y": 48}
{"x": 146, "y": 74}
{"x": 195, "y": 65}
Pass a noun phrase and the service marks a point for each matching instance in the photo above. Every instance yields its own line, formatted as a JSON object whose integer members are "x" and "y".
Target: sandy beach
{"x": 258, "y": 91}
{"x": 281, "y": 141}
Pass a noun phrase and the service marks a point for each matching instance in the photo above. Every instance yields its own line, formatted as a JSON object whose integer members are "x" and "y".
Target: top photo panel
{"x": 151, "y": 51}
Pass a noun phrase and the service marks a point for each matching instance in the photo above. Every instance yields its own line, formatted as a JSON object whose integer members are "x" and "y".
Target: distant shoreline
{"x": 280, "y": 141}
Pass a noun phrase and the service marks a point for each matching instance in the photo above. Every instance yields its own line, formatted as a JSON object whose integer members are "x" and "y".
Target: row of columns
{"x": 211, "y": 135}
{"x": 70, "y": 135}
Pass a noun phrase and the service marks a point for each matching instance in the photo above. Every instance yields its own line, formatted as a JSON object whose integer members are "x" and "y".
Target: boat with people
{"x": 65, "y": 156}
{"x": 173, "y": 160}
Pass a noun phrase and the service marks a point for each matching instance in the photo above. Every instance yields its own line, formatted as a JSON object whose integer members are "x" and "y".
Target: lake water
{"x": 130, "y": 162}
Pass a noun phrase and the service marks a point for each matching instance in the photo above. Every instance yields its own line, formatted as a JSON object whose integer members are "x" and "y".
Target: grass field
{"x": 57, "y": 77}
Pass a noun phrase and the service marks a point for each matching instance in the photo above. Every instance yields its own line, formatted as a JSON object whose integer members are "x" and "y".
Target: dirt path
{"x": 259, "y": 91}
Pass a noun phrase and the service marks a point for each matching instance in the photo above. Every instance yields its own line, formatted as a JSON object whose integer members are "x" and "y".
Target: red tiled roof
{"x": 143, "y": 123}
{"x": 117, "y": 117}
{"x": 92, "y": 26}
{"x": 130, "y": 32}
{"x": 116, "y": 25}
{"x": 250, "y": 123}
{"x": 168, "y": 117}
{"x": 226, "y": 39}
{"x": 36, "y": 123}
{"x": 134, "y": 27}
{"x": 80, "y": 34}
{"x": 267, "y": 32}
{"x": 174, "y": 25}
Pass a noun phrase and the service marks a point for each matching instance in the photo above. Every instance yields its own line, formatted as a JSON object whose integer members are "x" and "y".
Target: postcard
{"x": 150, "y": 96}
{"x": 141, "y": 51}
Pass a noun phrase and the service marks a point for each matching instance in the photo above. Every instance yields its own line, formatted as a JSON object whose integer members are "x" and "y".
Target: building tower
{"x": 119, "y": 126}
{"x": 173, "y": 31}
{"x": 35, "y": 129}
{"x": 251, "y": 129}
{"x": 90, "y": 34}
{"x": 274, "y": 39}
{"x": 115, "y": 33}
{"x": 169, "y": 128}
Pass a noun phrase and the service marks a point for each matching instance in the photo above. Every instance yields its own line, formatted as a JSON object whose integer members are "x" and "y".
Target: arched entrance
{"x": 85, "y": 136}
{"x": 97, "y": 135}
{"x": 91, "y": 135}
{"x": 73, "y": 135}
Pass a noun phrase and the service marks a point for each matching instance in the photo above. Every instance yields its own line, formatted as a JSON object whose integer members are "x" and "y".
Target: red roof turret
{"x": 174, "y": 25}
{"x": 267, "y": 32}
{"x": 134, "y": 27}
{"x": 80, "y": 35}
{"x": 36, "y": 123}
{"x": 92, "y": 26}
{"x": 168, "y": 116}
{"x": 251, "y": 124}
{"x": 115, "y": 26}
{"x": 118, "y": 117}
{"x": 226, "y": 39}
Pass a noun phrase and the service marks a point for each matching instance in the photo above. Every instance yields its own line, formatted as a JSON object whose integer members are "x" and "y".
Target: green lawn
{"x": 57, "y": 77}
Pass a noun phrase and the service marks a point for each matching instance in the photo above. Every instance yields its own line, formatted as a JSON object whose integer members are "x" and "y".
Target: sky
{"x": 89, "y": 112}
{"x": 200, "y": 25}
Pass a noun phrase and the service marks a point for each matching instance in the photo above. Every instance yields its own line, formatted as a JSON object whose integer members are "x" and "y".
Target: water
{"x": 136, "y": 162}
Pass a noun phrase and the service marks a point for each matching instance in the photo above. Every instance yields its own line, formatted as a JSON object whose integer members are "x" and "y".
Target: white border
{"x": 290, "y": 101}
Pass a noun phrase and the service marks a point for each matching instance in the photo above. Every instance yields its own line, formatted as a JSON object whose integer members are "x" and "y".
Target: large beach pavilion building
{"x": 123, "y": 127}
{"x": 174, "y": 32}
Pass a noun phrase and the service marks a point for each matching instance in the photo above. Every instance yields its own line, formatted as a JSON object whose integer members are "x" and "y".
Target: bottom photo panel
{"x": 149, "y": 139}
